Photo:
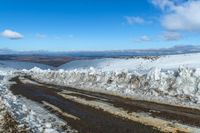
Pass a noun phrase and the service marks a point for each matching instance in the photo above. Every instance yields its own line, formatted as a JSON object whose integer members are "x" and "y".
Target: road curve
{"x": 92, "y": 112}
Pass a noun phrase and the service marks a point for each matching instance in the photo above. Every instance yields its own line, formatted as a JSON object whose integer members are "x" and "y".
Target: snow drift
{"x": 182, "y": 84}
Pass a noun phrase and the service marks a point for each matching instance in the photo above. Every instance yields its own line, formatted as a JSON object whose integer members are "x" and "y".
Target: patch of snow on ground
{"x": 28, "y": 114}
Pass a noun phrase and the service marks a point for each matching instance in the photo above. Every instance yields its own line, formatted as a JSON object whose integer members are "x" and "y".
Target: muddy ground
{"x": 87, "y": 119}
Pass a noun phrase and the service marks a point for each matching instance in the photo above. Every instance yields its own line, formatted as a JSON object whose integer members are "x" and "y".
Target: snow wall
{"x": 182, "y": 84}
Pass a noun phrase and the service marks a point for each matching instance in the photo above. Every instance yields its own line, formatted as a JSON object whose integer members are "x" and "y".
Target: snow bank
{"x": 182, "y": 84}
{"x": 26, "y": 112}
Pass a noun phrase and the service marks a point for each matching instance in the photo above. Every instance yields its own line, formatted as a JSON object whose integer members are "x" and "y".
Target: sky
{"x": 70, "y": 25}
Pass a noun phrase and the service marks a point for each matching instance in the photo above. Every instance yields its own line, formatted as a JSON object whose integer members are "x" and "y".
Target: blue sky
{"x": 64, "y": 25}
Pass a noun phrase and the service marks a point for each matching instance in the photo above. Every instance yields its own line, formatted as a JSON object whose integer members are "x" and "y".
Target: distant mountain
{"x": 138, "y": 52}
{"x": 5, "y": 51}
{"x": 9, "y": 51}
{"x": 112, "y": 53}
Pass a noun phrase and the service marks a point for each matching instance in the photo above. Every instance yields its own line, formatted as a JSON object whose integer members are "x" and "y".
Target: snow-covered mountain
{"x": 137, "y": 64}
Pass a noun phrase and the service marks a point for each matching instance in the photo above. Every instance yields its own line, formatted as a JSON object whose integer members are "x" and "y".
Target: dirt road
{"x": 92, "y": 112}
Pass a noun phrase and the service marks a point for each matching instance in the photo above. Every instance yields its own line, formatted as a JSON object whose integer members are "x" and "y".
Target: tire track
{"x": 90, "y": 120}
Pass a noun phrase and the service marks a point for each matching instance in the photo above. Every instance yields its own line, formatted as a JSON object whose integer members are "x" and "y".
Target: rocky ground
{"x": 7, "y": 122}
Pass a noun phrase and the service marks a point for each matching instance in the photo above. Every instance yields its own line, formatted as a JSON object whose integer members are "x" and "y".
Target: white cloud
{"x": 171, "y": 36}
{"x": 134, "y": 20}
{"x": 180, "y": 16}
{"x": 145, "y": 38}
{"x": 163, "y": 4}
{"x": 11, "y": 34}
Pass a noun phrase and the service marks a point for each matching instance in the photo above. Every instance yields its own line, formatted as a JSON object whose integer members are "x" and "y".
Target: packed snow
{"x": 182, "y": 84}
